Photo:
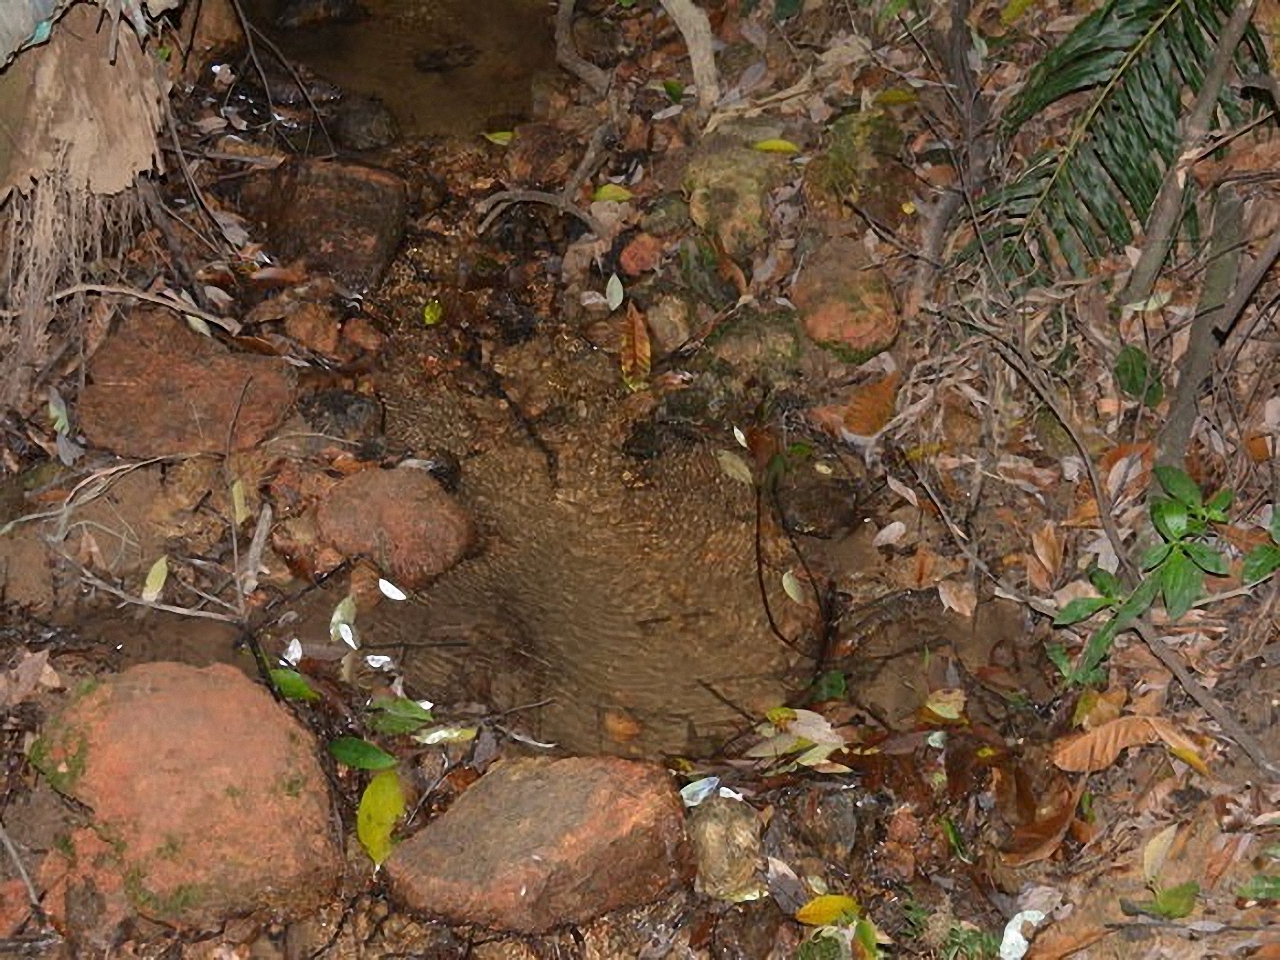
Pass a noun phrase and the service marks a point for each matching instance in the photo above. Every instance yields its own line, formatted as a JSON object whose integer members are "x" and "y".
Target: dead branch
{"x": 567, "y": 53}
{"x": 493, "y": 206}
{"x": 695, "y": 28}
{"x": 1166, "y": 212}
{"x": 173, "y": 303}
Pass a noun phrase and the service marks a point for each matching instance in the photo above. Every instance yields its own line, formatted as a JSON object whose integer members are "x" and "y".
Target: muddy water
{"x": 441, "y": 67}
{"x": 622, "y": 593}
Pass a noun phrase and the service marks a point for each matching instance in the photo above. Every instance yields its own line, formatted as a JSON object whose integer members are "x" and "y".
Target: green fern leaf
{"x": 1076, "y": 202}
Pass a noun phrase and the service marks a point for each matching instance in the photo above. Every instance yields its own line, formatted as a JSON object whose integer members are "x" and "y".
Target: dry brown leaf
{"x": 1038, "y": 840}
{"x": 1048, "y": 549}
{"x": 1059, "y": 946}
{"x": 1099, "y": 748}
{"x": 923, "y": 566}
{"x": 958, "y": 596}
{"x": 636, "y": 354}
{"x": 866, "y": 410}
{"x": 1039, "y": 578}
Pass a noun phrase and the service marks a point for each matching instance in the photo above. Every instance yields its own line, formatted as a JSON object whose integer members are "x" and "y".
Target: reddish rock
{"x": 343, "y": 219}
{"x": 158, "y": 387}
{"x": 207, "y": 801}
{"x": 845, "y": 302}
{"x": 400, "y": 519}
{"x": 316, "y": 326}
{"x": 641, "y": 255}
{"x": 15, "y": 907}
{"x": 536, "y": 844}
{"x": 360, "y": 333}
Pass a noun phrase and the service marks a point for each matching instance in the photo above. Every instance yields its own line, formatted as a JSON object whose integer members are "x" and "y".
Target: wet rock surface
{"x": 400, "y": 519}
{"x": 343, "y": 219}
{"x": 199, "y": 397}
{"x": 537, "y": 844}
{"x": 206, "y": 799}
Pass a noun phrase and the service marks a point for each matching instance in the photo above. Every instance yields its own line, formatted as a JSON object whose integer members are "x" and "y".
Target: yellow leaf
{"x": 501, "y": 138}
{"x": 380, "y": 808}
{"x": 612, "y": 191}
{"x": 828, "y": 909}
{"x": 432, "y": 313}
{"x": 775, "y": 146}
{"x": 156, "y": 577}
{"x": 1014, "y": 9}
{"x": 239, "y": 509}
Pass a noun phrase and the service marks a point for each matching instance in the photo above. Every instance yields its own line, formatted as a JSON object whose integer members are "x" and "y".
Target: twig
{"x": 567, "y": 53}
{"x": 33, "y": 898}
{"x": 173, "y": 303}
{"x": 1211, "y": 704}
{"x": 1166, "y": 212}
{"x": 1197, "y": 362}
{"x": 154, "y": 605}
{"x": 494, "y": 205}
{"x": 695, "y": 28}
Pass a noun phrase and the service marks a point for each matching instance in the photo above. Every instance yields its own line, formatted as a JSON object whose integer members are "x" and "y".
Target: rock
{"x": 670, "y": 323}
{"x": 859, "y": 166}
{"x": 360, "y": 333}
{"x": 315, "y": 326}
{"x": 207, "y": 801}
{"x": 845, "y": 303}
{"x": 363, "y": 123}
{"x": 725, "y": 835}
{"x": 342, "y": 413}
{"x": 157, "y": 388}
{"x": 728, "y": 184}
{"x": 537, "y": 844}
{"x": 344, "y": 219}
{"x": 310, "y": 13}
{"x": 14, "y": 907}
{"x": 641, "y": 255}
{"x": 400, "y": 519}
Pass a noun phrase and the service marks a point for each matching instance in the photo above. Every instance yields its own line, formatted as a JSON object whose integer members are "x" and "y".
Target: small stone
{"x": 207, "y": 801}
{"x": 360, "y": 333}
{"x": 537, "y": 844}
{"x": 845, "y": 302}
{"x": 541, "y": 154}
{"x": 316, "y": 326}
{"x": 725, "y": 835}
{"x": 400, "y": 519}
{"x": 641, "y": 255}
{"x": 669, "y": 320}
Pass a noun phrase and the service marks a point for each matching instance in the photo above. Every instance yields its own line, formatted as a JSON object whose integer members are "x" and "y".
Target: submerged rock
{"x": 207, "y": 802}
{"x": 537, "y": 844}
{"x": 401, "y": 519}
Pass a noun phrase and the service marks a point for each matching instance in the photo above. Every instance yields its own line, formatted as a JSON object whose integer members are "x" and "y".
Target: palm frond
{"x": 1089, "y": 195}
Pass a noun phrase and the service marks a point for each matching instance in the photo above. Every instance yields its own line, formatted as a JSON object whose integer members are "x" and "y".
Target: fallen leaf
{"x": 636, "y": 352}
{"x": 381, "y": 806}
{"x": 156, "y": 578}
{"x": 1099, "y": 748}
{"x": 828, "y": 909}
{"x": 958, "y": 596}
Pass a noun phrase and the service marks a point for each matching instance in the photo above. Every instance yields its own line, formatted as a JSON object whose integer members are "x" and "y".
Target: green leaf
{"x": 1274, "y": 529}
{"x": 1179, "y": 485}
{"x": 1182, "y": 584}
{"x": 432, "y": 313}
{"x": 1152, "y": 557}
{"x": 381, "y": 805}
{"x": 830, "y": 686}
{"x": 396, "y": 715}
{"x": 1260, "y": 887}
{"x": 674, "y": 90}
{"x": 501, "y": 137}
{"x": 156, "y": 578}
{"x": 292, "y": 685}
{"x": 1135, "y": 376}
{"x": 1219, "y": 504}
{"x": 360, "y": 754}
{"x": 1206, "y": 558}
{"x": 1170, "y": 518}
{"x": 775, "y": 145}
{"x": 614, "y": 292}
{"x": 1081, "y": 608}
{"x": 1105, "y": 582}
{"x": 613, "y": 192}
{"x": 1174, "y": 903}
{"x": 1261, "y": 562}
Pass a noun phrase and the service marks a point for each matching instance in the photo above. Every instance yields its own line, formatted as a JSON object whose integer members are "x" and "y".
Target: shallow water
{"x": 506, "y": 41}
